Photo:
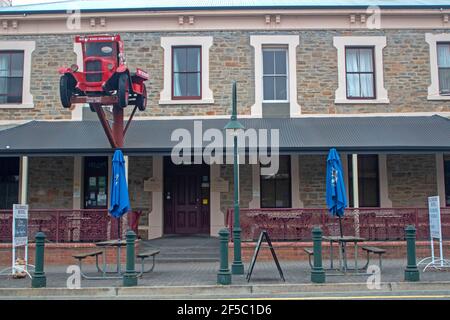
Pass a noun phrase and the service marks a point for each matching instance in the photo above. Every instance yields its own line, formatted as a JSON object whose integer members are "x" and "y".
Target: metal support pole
{"x": 224, "y": 274}
{"x": 411, "y": 271}
{"x": 317, "y": 272}
{"x": 117, "y": 128}
{"x": 130, "y": 276}
{"x": 237, "y": 266}
{"x": 39, "y": 280}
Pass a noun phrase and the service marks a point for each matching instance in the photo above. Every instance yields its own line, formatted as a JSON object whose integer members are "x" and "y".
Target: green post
{"x": 130, "y": 276}
{"x": 411, "y": 271}
{"x": 317, "y": 272}
{"x": 224, "y": 274}
{"x": 237, "y": 267}
{"x": 39, "y": 280}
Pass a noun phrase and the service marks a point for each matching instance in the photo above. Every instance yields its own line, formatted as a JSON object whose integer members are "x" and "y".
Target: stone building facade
{"x": 404, "y": 179}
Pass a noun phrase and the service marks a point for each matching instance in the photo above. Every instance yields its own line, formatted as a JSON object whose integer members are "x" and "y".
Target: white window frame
{"x": 27, "y": 47}
{"x": 286, "y": 51}
{"x": 292, "y": 42}
{"x": 379, "y": 42}
{"x": 166, "y": 93}
{"x": 433, "y": 89}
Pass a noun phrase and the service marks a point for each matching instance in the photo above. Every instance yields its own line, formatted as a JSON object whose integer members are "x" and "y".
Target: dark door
{"x": 186, "y": 198}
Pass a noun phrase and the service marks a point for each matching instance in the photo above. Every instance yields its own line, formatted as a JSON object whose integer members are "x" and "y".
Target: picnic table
{"x": 342, "y": 242}
{"x": 118, "y": 243}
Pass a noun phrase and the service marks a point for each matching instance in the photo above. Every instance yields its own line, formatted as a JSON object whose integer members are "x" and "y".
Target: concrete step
{"x": 184, "y": 249}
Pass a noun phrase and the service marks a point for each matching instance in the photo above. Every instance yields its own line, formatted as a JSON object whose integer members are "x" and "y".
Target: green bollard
{"x": 39, "y": 280}
{"x": 224, "y": 274}
{"x": 411, "y": 271}
{"x": 317, "y": 272}
{"x": 130, "y": 275}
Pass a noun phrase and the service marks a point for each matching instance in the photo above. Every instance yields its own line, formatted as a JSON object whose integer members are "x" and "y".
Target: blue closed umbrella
{"x": 119, "y": 200}
{"x": 336, "y": 195}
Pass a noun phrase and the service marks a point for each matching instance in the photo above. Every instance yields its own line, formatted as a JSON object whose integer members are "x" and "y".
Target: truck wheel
{"x": 141, "y": 99}
{"x": 65, "y": 90}
{"x": 123, "y": 90}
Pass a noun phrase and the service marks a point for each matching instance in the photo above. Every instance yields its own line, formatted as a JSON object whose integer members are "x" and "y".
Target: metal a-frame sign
{"x": 264, "y": 236}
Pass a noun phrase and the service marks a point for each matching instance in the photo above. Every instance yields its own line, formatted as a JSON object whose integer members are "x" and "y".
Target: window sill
{"x": 203, "y": 101}
{"x": 438, "y": 97}
{"x": 17, "y": 106}
{"x": 361, "y": 101}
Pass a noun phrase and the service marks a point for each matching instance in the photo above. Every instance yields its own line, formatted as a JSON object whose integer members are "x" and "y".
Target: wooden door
{"x": 186, "y": 199}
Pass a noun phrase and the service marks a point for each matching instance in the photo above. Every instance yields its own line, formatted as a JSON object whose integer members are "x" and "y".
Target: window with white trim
{"x": 261, "y": 45}
{"x": 360, "y": 73}
{"x": 15, "y": 74}
{"x": 11, "y": 76}
{"x": 360, "y": 70}
{"x": 439, "y": 46}
{"x": 275, "y": 75}
{"x": 443, "y": 61}
{"x": 186, "y": 70}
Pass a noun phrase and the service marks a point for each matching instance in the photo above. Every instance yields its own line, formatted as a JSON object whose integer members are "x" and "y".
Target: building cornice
{"x": 142, "y": 21}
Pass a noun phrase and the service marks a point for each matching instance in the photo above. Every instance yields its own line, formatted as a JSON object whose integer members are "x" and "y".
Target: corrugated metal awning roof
{"x": 297, "y": 135}
{"x": 167, "y": 5}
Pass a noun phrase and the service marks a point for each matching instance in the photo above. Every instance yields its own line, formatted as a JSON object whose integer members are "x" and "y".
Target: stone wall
{"x": 139, "y": 170}
{"x": 245, "y": 186}
{"x": 406, "y": 72}
{"x": 312, "y": 174}
{"x": 411, "y": 179}
{"x": 50, "y": 182}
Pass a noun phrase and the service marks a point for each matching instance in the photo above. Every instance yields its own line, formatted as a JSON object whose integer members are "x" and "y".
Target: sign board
{"x": 20, "y": 225}
{"x": 152, "y": 185}
{"x": 220, "y": 185}
{"x": 262, "y": 236}
{"x": 434, "y": 212}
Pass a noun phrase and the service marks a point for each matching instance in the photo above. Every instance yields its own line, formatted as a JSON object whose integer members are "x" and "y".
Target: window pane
{"x": 3, "y": 86}
{"x": 353, "y": 85}
{"x": 444, "y": 80}
{"x": 193, "y": 85}
{"x": 269, "y": 93}
{"x": 193, "y": 59}
{"x": 179, "y": 59}
{"x": 447, "y": 181}
{"x": 17, "y": 65}
{"x": 179, "y": 84}
{"x": 280, "y": 88}
{"x": 268, "y": 62}
{"x": 366, "y": 85}
{"x": 365, "y": 60}
{"x": 267, "y": 193}
{"x": 443, "y": 53}
{"x": 276, "y": 189}
{"x": 351, "y": 60}
{"x": 283, "y": 196}
{"x": 4, "y": 65}
{"x": 15, "y": 90}
{"x": 280, "y": 62}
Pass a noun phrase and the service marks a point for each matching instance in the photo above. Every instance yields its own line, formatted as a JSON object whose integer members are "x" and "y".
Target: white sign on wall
{"x": 20, "y": 225}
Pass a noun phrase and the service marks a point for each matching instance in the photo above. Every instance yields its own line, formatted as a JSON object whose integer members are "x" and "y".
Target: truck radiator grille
{"x": 91, "y": 68}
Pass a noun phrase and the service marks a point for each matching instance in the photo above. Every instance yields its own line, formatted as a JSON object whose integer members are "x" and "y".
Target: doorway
{"x": 186, "y": 198}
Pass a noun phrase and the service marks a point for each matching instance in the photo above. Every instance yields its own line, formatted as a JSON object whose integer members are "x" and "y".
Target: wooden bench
{"x": 81, "y": 256}
{"x": 374, "y": 250}
{"x": 144, "y": 255}
{"x": 310, "y": 253}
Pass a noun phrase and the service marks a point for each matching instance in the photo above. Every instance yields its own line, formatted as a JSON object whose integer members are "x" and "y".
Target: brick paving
{"x": 205, "y": 273}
